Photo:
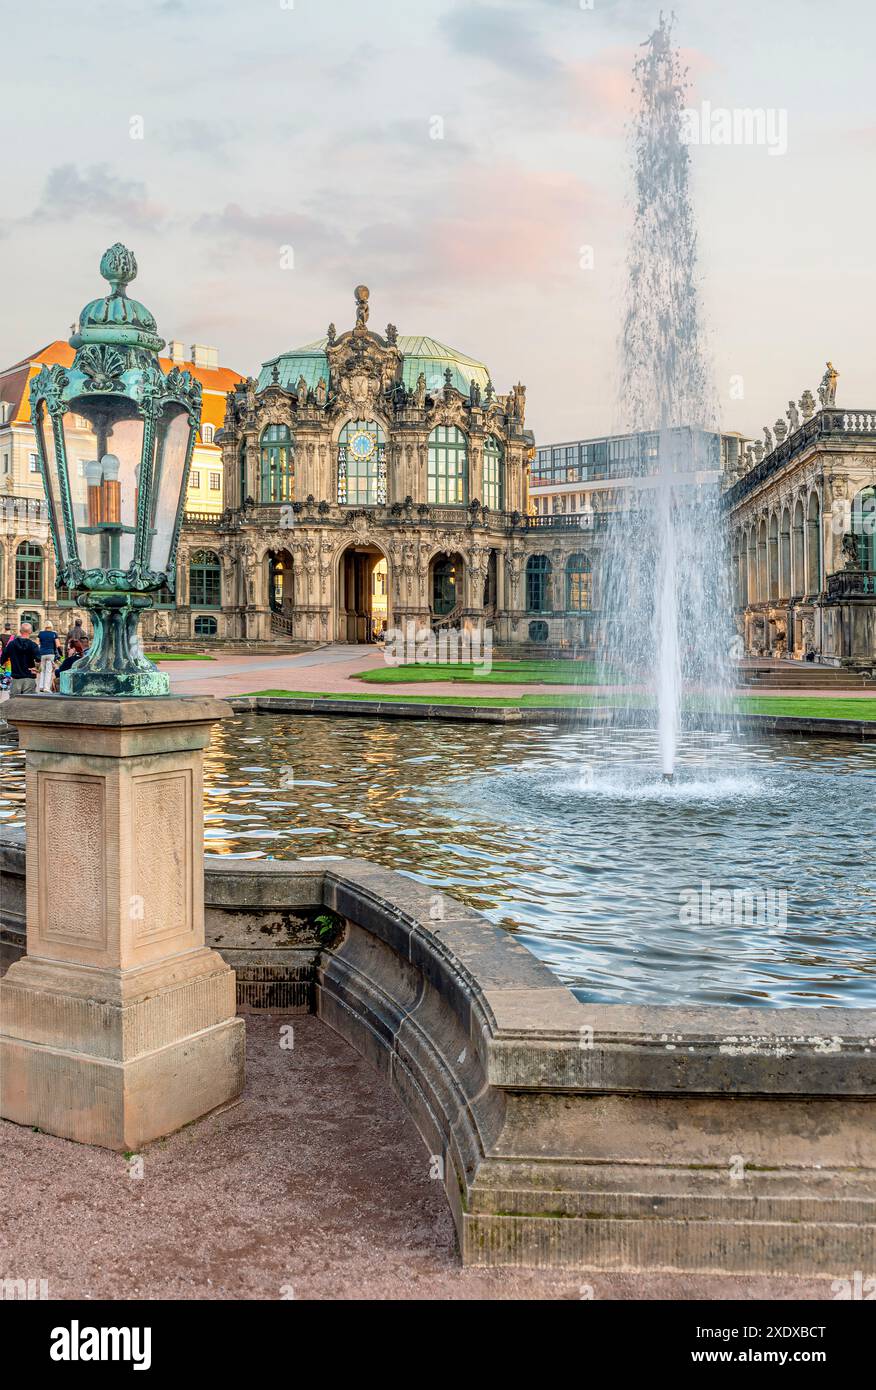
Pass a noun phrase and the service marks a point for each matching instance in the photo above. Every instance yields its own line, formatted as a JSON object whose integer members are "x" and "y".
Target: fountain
{"x": 665, "y": 591}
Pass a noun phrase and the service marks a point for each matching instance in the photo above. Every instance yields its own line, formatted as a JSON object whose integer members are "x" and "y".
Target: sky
{"x": 469, "y": 162}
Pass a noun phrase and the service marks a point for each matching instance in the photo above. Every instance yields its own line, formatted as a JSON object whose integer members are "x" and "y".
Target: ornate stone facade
{"x": 802, "y": 519}
{"x": 370, "y": 452}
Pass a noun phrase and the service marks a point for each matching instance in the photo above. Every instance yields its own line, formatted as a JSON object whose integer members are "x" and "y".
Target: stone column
{"x": 119, "y": 1025}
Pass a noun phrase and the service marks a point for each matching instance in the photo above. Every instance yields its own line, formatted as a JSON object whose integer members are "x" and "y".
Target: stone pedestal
{"x": 119, "y": 1025}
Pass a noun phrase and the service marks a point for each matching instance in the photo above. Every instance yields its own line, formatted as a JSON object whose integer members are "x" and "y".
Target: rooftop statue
{"x": 827, "y": 389}
{"x": 793, "y": 415}
{"x": 767, "y": 440}
{"x": 361, "y": 306}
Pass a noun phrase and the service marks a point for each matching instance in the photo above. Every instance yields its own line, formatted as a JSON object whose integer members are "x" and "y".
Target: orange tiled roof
{"x": 15, "y": 382}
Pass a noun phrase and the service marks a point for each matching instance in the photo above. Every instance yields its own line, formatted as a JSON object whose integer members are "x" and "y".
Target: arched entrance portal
{"x": 280, "y": 580}
{"x": 363, "y": 594}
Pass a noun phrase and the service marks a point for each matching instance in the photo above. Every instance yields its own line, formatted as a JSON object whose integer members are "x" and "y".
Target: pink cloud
{"x": 511, "y": 222}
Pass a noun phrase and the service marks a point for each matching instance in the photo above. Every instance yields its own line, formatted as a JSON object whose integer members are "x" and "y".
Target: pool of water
{"x": 751, "y": 880}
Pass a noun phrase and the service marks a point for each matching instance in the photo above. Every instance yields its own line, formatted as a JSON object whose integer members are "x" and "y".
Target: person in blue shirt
{"x": 50, "y": 649}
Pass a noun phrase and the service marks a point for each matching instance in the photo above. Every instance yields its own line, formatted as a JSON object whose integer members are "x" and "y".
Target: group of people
{"x": 29, "y": 664}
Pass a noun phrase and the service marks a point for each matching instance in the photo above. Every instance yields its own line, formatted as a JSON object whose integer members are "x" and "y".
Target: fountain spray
{"x": 665, "y": 592}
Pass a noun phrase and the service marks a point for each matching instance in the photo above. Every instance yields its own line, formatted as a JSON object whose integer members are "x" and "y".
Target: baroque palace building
{"x": 802, "y": 516}
{"x": 27, "y": 561}
{"x": 374, "y": 480}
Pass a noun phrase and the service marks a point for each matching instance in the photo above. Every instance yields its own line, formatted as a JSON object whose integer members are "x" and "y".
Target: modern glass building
{"x": 584, "y": 476}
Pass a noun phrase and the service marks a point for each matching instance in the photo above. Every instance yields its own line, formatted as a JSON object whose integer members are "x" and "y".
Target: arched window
{"x": 538, "y": 630}
{"x": 813, "y": 546}
{"x": 206, "y": 626}
{"x": 762, "y": 559}
{"x": 578, "y": 584}
{"x": 277, "y": 480}
{"x": 798, "y": 553}
{"x": 773, "y": 551}
{"x": 785, "y": 587}
{"x": 538, "y": 584}
{"x": 241, "y": 465}
{"x": 864, "y": 527}
{"x": 494, "y": 491}
{"x": 207, "y": 432}
{"x": 205, "y": 580}
{"x": 28, "y": 572}
{"x": 447, "y": 480}
{"x": 361, "y": 464}
{"x": 34, "y": 619}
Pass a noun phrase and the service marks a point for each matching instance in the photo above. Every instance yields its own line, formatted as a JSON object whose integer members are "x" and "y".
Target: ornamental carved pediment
{"x": 450, "y": 412}
{"x": 359, "y": 391}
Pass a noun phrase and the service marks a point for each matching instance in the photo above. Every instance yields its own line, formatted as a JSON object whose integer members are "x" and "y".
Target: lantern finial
{"x": 118, "y": 265}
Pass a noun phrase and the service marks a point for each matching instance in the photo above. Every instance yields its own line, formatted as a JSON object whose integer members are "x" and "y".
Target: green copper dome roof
{"x": 425, "y": 355}
{"x": 115, "y": 318}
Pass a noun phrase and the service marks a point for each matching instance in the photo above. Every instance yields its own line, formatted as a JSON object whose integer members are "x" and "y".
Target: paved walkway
{"x": 315, "y": 1185}
{"x": 333, "y": 670}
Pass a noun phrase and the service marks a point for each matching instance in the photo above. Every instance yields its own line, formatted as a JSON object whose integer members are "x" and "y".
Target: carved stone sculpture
{"x": 793, "y": 415}
{"x": 807, "y": 405}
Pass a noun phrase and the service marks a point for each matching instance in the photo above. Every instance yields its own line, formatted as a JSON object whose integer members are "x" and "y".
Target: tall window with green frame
{"x": 361, "y": 464}
{"x": 447, "y": 480}
{"x": 578, "y": 584}
{"x": 205, "y": 580}
{"x": 538, "y": 584}
{"x": 277, "y": 480}
{"x": 864, "y": 527}
{"x": 494, "y": 491}
{"x": 241, "y": 464}
{"x": 28, "y": 572}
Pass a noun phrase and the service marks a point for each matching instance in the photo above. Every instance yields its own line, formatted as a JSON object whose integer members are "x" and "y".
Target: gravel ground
{"x": 313, "y": 1186}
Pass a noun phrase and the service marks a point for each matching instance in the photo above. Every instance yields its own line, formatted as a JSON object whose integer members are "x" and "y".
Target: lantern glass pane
{"x": 170, "y": 461}
{"x": 46, "y": 441}
{"x": 104, "y": 486}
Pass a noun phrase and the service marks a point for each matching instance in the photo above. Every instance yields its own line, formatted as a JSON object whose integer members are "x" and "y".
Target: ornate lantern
{"x": 115, "y": 517}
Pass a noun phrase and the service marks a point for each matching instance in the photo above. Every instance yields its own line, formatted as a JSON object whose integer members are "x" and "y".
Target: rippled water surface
{"x": 569, "y": 839}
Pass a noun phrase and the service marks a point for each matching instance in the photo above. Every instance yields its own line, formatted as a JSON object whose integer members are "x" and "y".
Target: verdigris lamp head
{"x": 115, "y": 519}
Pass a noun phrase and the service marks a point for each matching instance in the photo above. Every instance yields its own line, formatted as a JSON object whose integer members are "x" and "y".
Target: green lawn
{"x": 827, "y": 708}
{"x": 802, "y": 706}
{"x": 179, "y": 656}
{"x": 534, "y": 672}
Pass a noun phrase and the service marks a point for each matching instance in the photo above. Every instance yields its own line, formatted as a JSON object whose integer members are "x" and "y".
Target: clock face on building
{"x": 362, "y": 445}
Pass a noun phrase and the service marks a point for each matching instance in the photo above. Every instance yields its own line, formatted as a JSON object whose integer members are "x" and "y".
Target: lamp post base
{"x": 113, "y": 666}
{"x": 118, "y": 1058}
{"x": 119, "y": 1024}
{"x": 114, "y": 684}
